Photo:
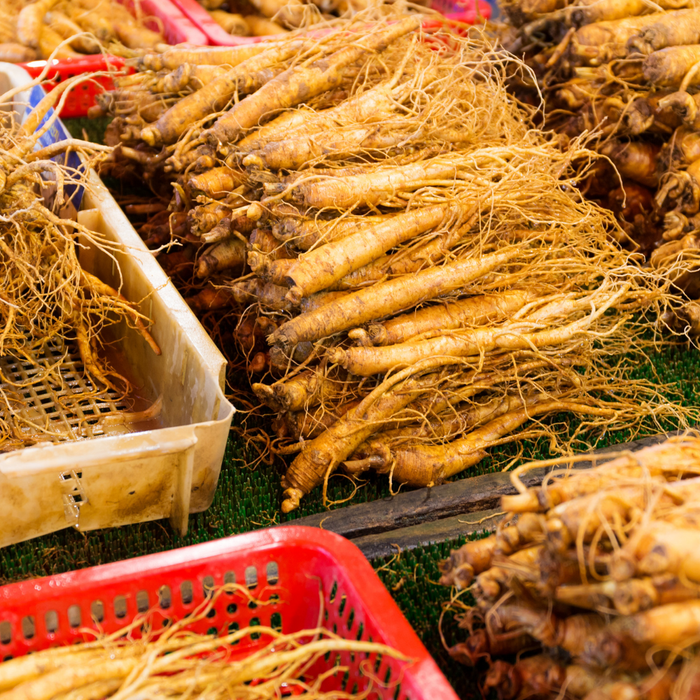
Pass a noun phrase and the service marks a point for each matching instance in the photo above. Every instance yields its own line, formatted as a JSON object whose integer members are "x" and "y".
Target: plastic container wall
{"x": 166, "y": 472}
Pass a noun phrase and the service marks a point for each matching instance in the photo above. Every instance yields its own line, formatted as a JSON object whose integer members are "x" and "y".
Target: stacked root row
{"x": 71, "y": 28}
{"x": 272, "y": 17}
{"x": 592, "y": 591}
{"x": 413, "y": 274}
{"x": 626, "y": 75}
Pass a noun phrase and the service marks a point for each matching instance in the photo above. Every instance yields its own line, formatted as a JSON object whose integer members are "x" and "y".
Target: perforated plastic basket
{"x": 168, "y": 18}
{"x": 124, "y": 476}
{"x": 466, "y": 11}
{"x": 317, "y": 575}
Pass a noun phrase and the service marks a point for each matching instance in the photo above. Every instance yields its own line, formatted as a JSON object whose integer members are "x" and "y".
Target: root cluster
{"x": 275, "y": 17}
{"x": 625, "y": 73}
{"x": 49, "y": 305}
{"x": 72, "y": 28}
{"x": 411, "y": 270}
{"x": 590, "y": 588}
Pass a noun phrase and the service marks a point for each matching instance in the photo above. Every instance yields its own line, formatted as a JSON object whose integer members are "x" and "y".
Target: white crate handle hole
{"x": 74, "y": 496}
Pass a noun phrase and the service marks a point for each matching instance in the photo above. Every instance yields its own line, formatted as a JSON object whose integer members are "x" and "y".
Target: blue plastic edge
{"x": 57, "y": 133}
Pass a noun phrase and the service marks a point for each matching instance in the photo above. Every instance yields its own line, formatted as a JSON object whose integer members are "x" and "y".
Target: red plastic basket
{"x": 293, "y": 563}
{"x": 168, "y": 18}
{"x": 467, "y": 11}
{"x": 82, "y": 97}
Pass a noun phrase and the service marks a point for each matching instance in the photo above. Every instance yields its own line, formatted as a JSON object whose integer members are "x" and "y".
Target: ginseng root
{"x": 385, "y": 299}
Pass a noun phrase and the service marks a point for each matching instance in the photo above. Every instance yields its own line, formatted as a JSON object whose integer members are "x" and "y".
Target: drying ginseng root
{"x": 625, "y": 73}
{"x": 51, "y": 309}
{"x": 374, "y": 232}
{"x": 590, "y": 586}
{"x": 150, "y": 659}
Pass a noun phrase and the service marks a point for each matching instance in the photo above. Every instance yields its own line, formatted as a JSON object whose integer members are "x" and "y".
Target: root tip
{"x": 254, "y": 212}
{"x": 336, "y": 356}
{"x": 210, "y": 138}
{"x": 294, "y": 296}
{"x": 521, "y": 503}
{"x": 150, "y": 135}
{"x": 205, "y": 266}
{"x": 253, "y": 160}
{"x": 292, "y": 499}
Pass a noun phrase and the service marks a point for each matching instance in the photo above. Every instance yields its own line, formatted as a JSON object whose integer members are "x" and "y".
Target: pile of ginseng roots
{"x": 271, "y": 17}
{"x": 49, "y": 305}
{"x": 590, "y": 588}
{"x": 71, "y": 28}
{"x": 626, "y": 71}
{"x": 409, "y": 269}
{"x": 158, "y": 659}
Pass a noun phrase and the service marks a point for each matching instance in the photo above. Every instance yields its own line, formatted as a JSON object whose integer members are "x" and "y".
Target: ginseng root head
{"x": 292, "y": 499}
{"x": 150, "y": 135}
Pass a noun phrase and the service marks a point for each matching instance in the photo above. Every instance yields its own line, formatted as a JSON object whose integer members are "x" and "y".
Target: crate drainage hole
{"x": 276, "y": 621}
{"x": 164, "y": 597}
{"x": 232, "y": 629}
{"x": 28, "y": 627}
{"x": 251, "y": 577}
{"x": 186, "y": 592}
{"x": 120, "y": 606}
{"x": 208, "y": 586}
{"x": 74, "y": 616}
{"x": 97, "y": 611}
{"x": 229, "y": 580}
{"x": 69, "y": 409}
{"x": 51, "y": 621}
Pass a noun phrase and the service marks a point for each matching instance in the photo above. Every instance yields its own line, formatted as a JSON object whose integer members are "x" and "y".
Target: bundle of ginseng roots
{"x": 272, "y": 17}
{"x": 269, "y": 17}
{"x": 159, "y": 659}
{"x": 49, "y": 306}
{"x": 70, "y": 28}
{"x": 626, "y": 71}
{"x": 590, "y": 588}
{"x": 411, "y": 271}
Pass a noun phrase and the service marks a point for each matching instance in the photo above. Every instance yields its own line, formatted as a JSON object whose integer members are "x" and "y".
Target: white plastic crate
{"x": 110, "y": 476}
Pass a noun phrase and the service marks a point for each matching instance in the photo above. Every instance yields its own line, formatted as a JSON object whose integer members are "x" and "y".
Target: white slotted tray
{"x": 129, "y": 477}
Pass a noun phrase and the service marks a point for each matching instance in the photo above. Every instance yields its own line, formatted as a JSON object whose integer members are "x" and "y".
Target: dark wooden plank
{"x": 389, "y": 543}
{"x": 428, "y": 504}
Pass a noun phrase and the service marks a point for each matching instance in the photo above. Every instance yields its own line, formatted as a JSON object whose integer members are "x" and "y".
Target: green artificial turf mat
{"x": 412, "y": 579}
{"x": 88, "y": 129}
